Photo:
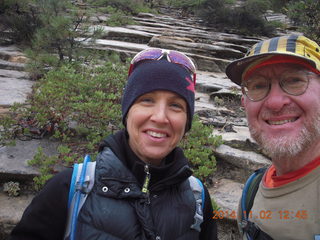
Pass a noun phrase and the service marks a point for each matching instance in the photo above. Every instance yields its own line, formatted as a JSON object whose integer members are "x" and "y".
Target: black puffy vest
{"x": 116, "y": 208}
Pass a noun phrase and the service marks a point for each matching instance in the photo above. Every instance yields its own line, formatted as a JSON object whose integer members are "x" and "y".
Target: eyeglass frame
{"x": 281, "y": 86}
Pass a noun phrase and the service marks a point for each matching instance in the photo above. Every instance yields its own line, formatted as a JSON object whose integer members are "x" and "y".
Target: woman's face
{"x": 156, "y": 123}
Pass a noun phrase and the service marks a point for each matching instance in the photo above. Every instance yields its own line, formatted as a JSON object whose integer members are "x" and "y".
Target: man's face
{"x": 283, "y": 124}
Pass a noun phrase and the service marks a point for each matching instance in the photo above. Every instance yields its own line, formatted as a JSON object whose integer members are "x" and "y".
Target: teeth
{"x": 281, "y": 122}
{"x": 156, "y": 134}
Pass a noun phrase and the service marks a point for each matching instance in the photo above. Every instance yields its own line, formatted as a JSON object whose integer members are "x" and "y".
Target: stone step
{"x": 11, "y": 58}
{"x": 14, "y": 159}
{"x": 124, "y": 34}
{"x": 203, "y": 49}
{"x": 12, "y": 53}
{"x": 209, "y": 81}
{"x": 237, "y": 164}
{"x": 14, "y": 90}
{"x": 14, "y": 74}
{"x": 204, "y": 63}
{"x": 226, "y": 194}
{"x": 11, "y": 211}
{"x": 11, "y": 65}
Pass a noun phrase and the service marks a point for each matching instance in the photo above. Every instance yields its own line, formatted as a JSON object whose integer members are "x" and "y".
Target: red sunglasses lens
{"x": 178, "y": 58}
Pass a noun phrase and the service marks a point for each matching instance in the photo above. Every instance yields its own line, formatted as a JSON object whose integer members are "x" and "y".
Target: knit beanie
{"x": 151, "y": 75}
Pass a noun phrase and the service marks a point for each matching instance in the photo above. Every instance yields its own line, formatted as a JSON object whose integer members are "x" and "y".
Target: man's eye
{"x": 258, "y": 86}
{"x": 294, "y": 80}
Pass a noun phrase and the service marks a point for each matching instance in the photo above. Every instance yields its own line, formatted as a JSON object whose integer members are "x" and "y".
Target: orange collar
{"x": 271, "y": 180}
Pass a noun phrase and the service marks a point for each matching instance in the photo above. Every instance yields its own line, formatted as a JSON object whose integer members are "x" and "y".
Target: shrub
{"x": 306, "y": 15}
{"x": 247, "y": 19}
{"x": 199, "y": 145}
{"x": 20, "y": 18}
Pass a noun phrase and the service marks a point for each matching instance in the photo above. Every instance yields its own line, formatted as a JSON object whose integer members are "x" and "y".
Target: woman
{"x": 141, "y": 188}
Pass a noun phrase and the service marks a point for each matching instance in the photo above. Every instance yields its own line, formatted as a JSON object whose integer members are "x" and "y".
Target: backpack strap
{"x": 82, "y": 181}
{"x": 198, "y": 192}
{"x": 249, "y": 192}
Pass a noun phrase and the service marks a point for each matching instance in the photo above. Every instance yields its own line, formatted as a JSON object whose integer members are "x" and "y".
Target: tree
{"x": 20, "y": 19}
{"x": 306, "y": 14}
{"x": 63, "y": 29}
{"x": 245, "y": 19}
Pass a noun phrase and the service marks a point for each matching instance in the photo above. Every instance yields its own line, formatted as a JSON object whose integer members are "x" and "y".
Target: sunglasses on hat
{"x": 171, "y": 56}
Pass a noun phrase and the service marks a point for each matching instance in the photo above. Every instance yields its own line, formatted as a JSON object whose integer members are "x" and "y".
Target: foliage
{"x": 45, "y": 165}
{"x": 64, "y": 27}
{"x": 19, "y": 17}
{"x": 82, "y": 105}
{"x": 306, "y": 14}
{"x": 6, "y": 133}
{"x": 247, "y": 19}
{"x": 52, "y": 30}
{"x": 117, "y": 17}
{"x": 215, "y": 206}
{"x": 279, "y": 5}
{"x": 127, "y": 7}
{"x": 12, "y": 188}
{"x": 187, "y": 6}
{"x": 198, "y": 145}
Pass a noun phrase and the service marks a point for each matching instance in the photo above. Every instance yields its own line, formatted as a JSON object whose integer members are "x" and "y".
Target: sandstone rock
{"x": 241, "y": 159}
{"x": 14, "y": 159}
{"x": 11, "y": 211}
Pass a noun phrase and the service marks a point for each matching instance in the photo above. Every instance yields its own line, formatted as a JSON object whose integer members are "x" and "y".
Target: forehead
{"x": 163, "y": 94}
{"x": 278, "y": 68}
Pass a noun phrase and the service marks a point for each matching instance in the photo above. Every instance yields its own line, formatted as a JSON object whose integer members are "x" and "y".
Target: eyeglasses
{"x": 171, "y": 55}
{"x": 257, "y": 87}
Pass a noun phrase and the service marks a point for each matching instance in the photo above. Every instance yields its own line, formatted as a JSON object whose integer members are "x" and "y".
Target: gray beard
{"x": 287, "y": 147}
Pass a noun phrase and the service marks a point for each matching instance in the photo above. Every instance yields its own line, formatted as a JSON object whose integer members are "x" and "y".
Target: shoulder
{"x": 61, "y": 179}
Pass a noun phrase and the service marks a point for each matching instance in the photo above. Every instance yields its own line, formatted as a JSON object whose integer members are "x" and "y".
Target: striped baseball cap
{"x": 297, "y": 46}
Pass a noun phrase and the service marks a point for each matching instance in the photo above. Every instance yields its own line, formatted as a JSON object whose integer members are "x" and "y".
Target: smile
{"x": 280, "y": 122}
{"x": 156, "y": 134}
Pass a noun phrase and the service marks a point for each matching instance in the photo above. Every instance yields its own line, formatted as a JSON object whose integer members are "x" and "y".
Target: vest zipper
{"x": 145, "y": 187}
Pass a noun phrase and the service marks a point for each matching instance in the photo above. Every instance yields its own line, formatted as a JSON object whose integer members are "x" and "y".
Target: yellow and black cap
{"x": 296, "y": 46}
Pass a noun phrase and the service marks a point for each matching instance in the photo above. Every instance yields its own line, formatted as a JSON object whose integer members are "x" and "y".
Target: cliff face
{"x": 217, "y": 104}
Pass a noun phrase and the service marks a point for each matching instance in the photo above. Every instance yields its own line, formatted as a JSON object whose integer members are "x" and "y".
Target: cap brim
{"x": 235, "y": 69}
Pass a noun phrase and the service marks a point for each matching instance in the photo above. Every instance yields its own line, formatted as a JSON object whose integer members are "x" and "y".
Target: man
{"x": 280, "y": 81}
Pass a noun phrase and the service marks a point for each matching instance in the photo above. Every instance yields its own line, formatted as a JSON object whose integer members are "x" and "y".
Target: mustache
{"x": 286, "y": 110}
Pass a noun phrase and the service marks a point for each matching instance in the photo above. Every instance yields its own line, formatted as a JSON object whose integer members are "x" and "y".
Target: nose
{"x": 276, "y": 97}
{"x": 160, "y": 113}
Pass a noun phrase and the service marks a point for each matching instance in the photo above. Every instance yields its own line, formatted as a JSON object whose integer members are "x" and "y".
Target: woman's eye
{"x": 146, "y": 100}
{"x": 177, "y": 106}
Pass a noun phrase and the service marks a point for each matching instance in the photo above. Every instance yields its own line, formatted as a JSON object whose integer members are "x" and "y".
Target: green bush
{"x": 117, "y": 17}
{"x": 20, "y": 18}
{"x": 305, "y": 14}
{"x": 128, "y": 7}
{"x": 247, "y": 19}
{"x": 199, "y": 145}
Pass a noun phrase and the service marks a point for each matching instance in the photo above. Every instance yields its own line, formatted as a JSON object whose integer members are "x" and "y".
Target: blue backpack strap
{"x": 82, "y": 181}
{"x": 199, "y": 195}
{"x": 73, "y": 183}
{"x": 248, "y": 194}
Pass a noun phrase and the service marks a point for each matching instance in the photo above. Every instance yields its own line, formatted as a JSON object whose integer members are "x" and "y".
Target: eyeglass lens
{"x": 257, "y": 87}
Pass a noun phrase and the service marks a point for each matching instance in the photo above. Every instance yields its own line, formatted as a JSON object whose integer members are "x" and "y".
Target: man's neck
{"x": 292, "y": 163}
